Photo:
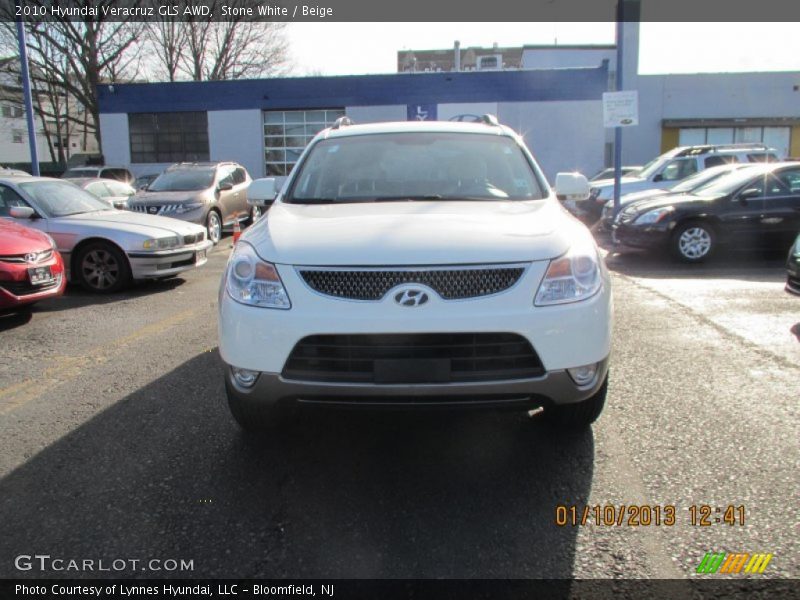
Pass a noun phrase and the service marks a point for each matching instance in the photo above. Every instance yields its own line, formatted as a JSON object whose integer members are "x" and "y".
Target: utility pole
{"x": 26, "y": 91}
{"x": 618, "y": 129}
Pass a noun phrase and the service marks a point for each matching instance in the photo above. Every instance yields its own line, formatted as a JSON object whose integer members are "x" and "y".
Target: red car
{"x": 31, "y": 269}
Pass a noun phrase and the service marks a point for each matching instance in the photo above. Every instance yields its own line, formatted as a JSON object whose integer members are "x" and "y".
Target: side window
{"x": 9, "y": 198}
{"x": 226, "y": 175}
{"x": 762, "y": 157}
{"x": 714, "y": 161}
{"x": 784, "y": 183}
{"x": 679, "y": 169}
{"x": 238, "y": 176}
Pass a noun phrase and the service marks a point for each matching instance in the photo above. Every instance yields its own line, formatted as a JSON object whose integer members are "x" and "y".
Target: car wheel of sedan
{"x": 579, "y": 415}
{"x": 214, "y": 226}
{"x": 102, "y": 268}
{"x": 255, "y": 214}
{"x": 693, "y": 242}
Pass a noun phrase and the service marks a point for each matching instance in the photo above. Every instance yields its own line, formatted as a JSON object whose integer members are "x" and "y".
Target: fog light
{"x": 583, "y": 375}
{"x": 244, "y": 377}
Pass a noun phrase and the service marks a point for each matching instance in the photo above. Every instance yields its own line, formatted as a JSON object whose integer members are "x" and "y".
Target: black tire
{"x": 214, "y": 226}
{"x": 252, "y": 419}
{"x": 102, "y": 268}
{"x": 580, "y": 415}
{"x": 693, "y": 242}
{"x": 255, "y": 214}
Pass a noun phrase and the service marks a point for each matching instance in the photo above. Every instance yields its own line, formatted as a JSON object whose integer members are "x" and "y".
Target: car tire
{"x": 252, "y": 419}
{"x": 693, "y": 242}
{"x": 102, "y": 268}
{"x": 580, "y": 415}
{"x": 214, "y": 226}
{"x": 255, "y": 215}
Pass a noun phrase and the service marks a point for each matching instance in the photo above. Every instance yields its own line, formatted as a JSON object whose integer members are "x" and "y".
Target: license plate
{"x": 40, "y": 275}
{"x": 200, "y": 256}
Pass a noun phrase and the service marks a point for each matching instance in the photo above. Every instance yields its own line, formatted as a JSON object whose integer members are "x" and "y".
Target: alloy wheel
{"x": 694, "y": 243}
{"x": 100, "y": 269}
{"x": 214, "y": 227}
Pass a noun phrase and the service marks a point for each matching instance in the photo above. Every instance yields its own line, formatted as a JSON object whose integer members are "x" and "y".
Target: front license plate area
{"x": 412, "y": 370}
{"x": 40, "y": 275}
{"x": 200, "y": 256}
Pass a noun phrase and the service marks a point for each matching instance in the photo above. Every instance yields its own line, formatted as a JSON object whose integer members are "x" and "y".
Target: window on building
{"x": 168, "y": 137}
{"x": 286, "y": 133}
{"x": 774, "y": 137}
{"x": 17, "y": 136}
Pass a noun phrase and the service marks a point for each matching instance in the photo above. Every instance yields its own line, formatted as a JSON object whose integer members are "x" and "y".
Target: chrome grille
{"x": 451, "y": 283}
{"x": 150, "y": 209}
{"x": 20, "y": 258}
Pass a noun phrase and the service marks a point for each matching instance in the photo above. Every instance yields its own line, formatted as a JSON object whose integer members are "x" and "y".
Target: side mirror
{"x": 658, "y": 178}
{"x": 572, "y": 186}
{"x": 21, "y": 212}
{"x": 224, "y": 186}
{"x": 747, "y": 194}
{"x": 262, "y": 192}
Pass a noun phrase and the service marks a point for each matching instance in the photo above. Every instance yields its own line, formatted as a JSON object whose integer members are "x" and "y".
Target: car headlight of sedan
{"x": 571, "y": 278}
{"x": 253, "y": 281}
{"x": 161, "y": 243}
{"x": 653, "y": 216}
{"x": 188, "y": 207}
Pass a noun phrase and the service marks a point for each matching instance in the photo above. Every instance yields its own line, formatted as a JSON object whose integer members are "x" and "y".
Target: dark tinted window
{"x": 762, "y": 157}
{"x": 168, "y": 137}
{"x": 118, "y": 174}
{"x": 714, "y": 161}
{"x": 9, "y": 198}
{"x": 239, "y": 176}
{"x": 183, "y": 180}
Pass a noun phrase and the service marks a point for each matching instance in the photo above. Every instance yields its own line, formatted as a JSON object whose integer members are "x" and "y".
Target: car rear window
{"x": 418, "y": 165}
{"x": 183, "y": 180}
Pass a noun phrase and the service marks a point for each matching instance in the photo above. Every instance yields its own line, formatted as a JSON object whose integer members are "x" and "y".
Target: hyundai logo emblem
{"x": 31, "y": 257}
{"x": 411, "y": 297}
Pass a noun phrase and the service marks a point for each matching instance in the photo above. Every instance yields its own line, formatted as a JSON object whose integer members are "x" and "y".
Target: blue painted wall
{"x": 356, "y": 90}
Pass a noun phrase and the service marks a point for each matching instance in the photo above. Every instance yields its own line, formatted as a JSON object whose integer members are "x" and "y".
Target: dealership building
{"x": 552, "y": 95}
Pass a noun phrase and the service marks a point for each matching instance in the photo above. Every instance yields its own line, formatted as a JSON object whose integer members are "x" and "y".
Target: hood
{"x": 146, "y": 197}
{"x": 125, "y": 221}
{"x": 17, "y": 239}
{"x": 676, "y": 200}
{"x": 414, "y": 233}
{"x": 643, "y": 195}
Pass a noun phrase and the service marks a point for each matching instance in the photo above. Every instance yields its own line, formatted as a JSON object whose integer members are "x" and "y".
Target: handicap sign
{"x": 421, "y": 112}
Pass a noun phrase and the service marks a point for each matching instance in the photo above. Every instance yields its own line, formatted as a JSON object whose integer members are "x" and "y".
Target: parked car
{"x": 688, "y": 185}
{"x": 793, "y": 268}
{"x": 756, "y": 207}
{"x": 10, "y": 172}
{"x": 114, "y": 193}
{"x": 101, "y": 172}
{"x": 667, "y": 170}
{"x": 213, "y": 194}
{"x": 417, "y": 264}
{"x": 608, "y": 173}
{"x": 143, "y": 181}
{"x": 103, "y": 249}
{"x": 31, "y": 269}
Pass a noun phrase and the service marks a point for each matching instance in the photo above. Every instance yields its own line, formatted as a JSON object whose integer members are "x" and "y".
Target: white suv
{"x": 416, "y": 264}
{"x": 671, "y": 168}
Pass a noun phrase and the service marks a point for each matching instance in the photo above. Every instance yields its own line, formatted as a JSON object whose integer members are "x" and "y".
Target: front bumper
{"x": 150, "y": 265}
{"x": 553, "y": 388}
{"x": 564, "y": 336}
{"x": 635, "y": 236}
{"x": 793, "y": 277}
{"x": 14, "y": 290}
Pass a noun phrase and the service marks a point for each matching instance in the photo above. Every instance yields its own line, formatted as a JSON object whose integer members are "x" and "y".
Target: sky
{"x": 361, "y": 48}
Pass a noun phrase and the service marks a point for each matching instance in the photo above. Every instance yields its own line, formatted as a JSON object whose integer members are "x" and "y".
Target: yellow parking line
{"x": 67, "y": 368}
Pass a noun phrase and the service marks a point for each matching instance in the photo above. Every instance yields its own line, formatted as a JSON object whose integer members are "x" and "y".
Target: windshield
{"x": 83, "y": 172}
{"x": 415, "y": 166}
{"x": 730, "y": 183}
{"x": 700, "y": 179}
{"x": 183, "y": 180}
{"x": 60, "y": 198}
{"x": 652, "y": 167}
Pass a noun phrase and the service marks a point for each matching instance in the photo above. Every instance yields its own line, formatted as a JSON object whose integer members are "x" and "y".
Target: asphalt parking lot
{"x": 115, "y": 442}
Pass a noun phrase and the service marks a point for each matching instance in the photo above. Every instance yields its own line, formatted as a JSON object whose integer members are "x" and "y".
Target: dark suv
{"x": 213, "y": 194}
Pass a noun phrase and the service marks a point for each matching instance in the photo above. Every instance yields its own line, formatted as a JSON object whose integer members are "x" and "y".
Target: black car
{"x": 793, "y": 268}
{"x": 757, "y": 207}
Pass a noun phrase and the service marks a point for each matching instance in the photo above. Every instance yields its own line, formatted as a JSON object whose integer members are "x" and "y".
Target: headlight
{"x": 52, "y": 241}
{"x": 795, "y": 248}
{"x": 161, "y": 243}
{"x": 253, "y": 281}
{"x": 188, "y": 207}
{"x": 653, "y": 216}
{"x": 571, "y": 278}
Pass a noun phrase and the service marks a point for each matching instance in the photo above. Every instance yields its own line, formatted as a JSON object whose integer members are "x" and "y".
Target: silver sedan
{"x": 104, "y": 249}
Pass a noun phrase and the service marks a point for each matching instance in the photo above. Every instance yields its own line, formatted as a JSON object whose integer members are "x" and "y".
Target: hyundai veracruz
{"x": 416, "y": 265}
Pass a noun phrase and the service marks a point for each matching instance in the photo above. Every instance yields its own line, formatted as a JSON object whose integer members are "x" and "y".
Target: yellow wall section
{"x": 794, "y": 142}
{"x": 669, "y": 138}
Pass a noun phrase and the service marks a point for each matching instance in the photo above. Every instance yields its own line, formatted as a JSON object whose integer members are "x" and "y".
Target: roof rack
{"x": 342, "y": 122}
{"x": 712, "y": 148}
{"x": 490, "y": 120}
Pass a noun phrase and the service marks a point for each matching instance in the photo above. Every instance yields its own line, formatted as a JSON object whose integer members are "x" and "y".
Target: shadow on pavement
{"x": 165, "y": 473}
{"x": 77, "y": 297}
{"x": 9, "y": 319}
